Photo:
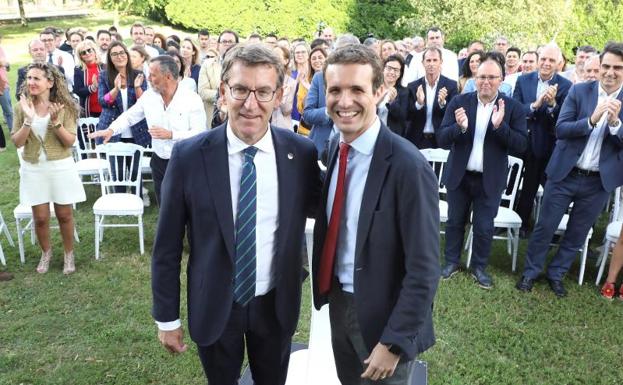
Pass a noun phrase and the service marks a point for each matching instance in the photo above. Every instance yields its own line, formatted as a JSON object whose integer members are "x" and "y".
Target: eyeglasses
{"x": 210, "y": 56}
{"x": 490, "y": 78}
{"x": 227, "y": 42}
{"x": 392, "y": 69}
{"x": 118, "y": 54}
{"x": 87, "y": 51}
{"x": 46, "y": 40}
{"x": 242, "y": 93}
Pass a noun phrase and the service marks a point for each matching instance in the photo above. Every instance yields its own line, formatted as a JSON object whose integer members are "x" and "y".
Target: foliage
{"x": 379, "y": 17}
{"x": 154, "y": 9}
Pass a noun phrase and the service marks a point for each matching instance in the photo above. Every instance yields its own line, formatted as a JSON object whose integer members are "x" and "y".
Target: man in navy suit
{"x": 541, "y": 93}
{"x": 480, "y": 128}
{"x": 428, "y": 97}
{"x": 376, "y": 240}
{"x": 584, "y": 169}
{"x": 242, "y": 191}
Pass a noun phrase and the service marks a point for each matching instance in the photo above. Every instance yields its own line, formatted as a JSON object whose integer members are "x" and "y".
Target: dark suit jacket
{"x": 510, "y": 136}
{"x": 397, "y": 248}
{"x": 82, "y": 90}
{"x": 417, "y": 117}
{"x": 541, "y": 122}
{"x": 572, "y": 131}
{"x": 315, "y": 114}
{"x": 397, "y": 117}
{"x": 196, "y": 193}
{"x": 110, "y": 112}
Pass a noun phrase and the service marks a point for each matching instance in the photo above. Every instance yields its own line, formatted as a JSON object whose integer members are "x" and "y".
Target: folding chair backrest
{"x": 124, "y": 167}
{"x": 84, "y": 145}
{"x": 437, "y": 157}
{"x": 513, "y": 179}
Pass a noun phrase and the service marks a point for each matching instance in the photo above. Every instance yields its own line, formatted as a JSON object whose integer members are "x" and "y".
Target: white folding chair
{"x": 122, "y": 170}
{"x": 612, "y": 233}
{"x": 437, "y": 158}
{"x": 506, "y": 217}
{"x": 4, "y": 230}
{"x": 88, "y": 158}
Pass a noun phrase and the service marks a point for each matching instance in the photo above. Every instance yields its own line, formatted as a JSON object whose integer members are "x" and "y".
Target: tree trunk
{"x": 22, "y": 14}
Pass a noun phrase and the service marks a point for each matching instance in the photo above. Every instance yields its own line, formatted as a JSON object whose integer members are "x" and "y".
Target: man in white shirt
{"x": 584, "y": 169}
{"x": 57, "y": 57}
{"x": 173, "y": 113}
{"x": 137, "y": 32}
{"x": 480, "y": 128}
{"x": 242, "y": 191}
{"x": 103, "y": 42}
{"x": 450, "y": 68}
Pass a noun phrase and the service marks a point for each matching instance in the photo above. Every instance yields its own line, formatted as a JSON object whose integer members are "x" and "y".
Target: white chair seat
{"x": 118, "y": 204}
{"x": 613, "y": 230}
{"x": 90, "y": 165}
{"x": 443, "y": 211}
{"x": 507, "y": 218}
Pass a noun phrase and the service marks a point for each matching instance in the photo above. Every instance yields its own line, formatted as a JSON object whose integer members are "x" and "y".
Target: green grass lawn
{"x": 94, "y": 327}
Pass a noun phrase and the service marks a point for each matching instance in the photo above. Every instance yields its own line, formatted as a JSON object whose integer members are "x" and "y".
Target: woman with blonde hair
{"x": 86, "y": 76}
{"x": 190, "y": 54}
{"x": 45, "y": 126}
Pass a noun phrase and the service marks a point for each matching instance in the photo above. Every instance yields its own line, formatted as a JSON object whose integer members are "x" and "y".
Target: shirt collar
{"x": 538, "y": 75}
{"x": 235, "y": 144}
{"x": 364, "y": 144}
{"x": 431, "y": 85}
{"x": 603, "y": 93}
{"x": 480, "y": 103}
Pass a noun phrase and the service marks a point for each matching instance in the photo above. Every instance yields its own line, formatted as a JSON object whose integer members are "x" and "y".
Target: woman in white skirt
{"x": 45, "y": 126}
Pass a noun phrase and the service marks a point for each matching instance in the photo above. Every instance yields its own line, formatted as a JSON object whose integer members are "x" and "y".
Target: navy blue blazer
{"x": 541, "y": 122}
{"x": 110, "y": 112}
{"x": 314, "y": 113}
{"x": 194, "y": 73}
{"x": 397, "y": 248}
{"x": 196, "y": 196}
{"x": 572, "y": 131}
{"x": 510, "y": 136}
{"x": 397, "y": 117}
{"x": 415, "y": 131}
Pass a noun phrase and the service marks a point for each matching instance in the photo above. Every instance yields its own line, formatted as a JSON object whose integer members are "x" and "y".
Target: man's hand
{"x": 614, "y": 107}
{"x": 498, "y": 114}
{"x": 461, "y": 118}
{"x": 160, "y": 133}
{"x": 441, "y": 97}
{"x": 419, "y": 94}
{"x": 381, "y": 363}
{"x": 550, "y": 95}
{"x": 106, "y": 134}
{"x": 598, "y": 113}
{"x": 173, "y": 340}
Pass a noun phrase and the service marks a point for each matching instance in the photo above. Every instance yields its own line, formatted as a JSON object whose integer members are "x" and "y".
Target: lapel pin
{"x": 290, "y": 155}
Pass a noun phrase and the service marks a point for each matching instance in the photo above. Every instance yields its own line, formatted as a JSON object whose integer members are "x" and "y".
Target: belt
{"x": 582, "y": 172}
{"x": 473, "y": 173}
{"x": 428, "y": 135}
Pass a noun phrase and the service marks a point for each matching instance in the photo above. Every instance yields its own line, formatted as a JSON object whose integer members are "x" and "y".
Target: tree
{"x": 22, "y": 14}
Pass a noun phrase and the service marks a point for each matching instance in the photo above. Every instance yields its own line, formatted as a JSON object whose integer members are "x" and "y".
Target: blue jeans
{"x": 7, "y": 110}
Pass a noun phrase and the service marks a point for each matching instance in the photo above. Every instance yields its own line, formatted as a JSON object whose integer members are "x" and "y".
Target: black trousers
{"x": 534, "y": 175}
{"x": 268, "y": 349}
{"x": 2, "y": 139}
{"x": 158, "y": 168}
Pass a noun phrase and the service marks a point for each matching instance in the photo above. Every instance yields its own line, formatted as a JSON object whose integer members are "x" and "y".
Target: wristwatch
{"x": 56, "y": 126}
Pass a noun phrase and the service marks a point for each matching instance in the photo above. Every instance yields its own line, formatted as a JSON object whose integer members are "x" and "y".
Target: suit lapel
{"x": 331, "y": 162}
{"x": 286, "y": 158}
{"x": 532, "y": 87}
{"x": 379, "y": 166}
{"x": 471, "y": 115}
{"x": 216, "y": 169}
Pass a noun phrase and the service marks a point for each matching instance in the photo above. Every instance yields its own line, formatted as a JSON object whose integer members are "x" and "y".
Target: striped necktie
{"x": 244, "y": 282}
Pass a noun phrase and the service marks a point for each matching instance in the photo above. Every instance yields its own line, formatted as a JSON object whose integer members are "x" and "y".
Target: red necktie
{"x": 325, "y": 273}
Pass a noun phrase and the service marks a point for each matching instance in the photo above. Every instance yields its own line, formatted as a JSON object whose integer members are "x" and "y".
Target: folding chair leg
{"x": 20, "y": 240}
{"x": 468, "y": 246}
{"x": 509, "y": 238}
{"x": 140, "y": 234}
{"x": 31, "y": 225}
{"x": 602, "y": 266}
{"x": 6, "y": 231}
{"x": 2, "y": 260}
{"x": 76, "y": 235}
{"x": 583, "y": 261}
{"x": 515, "y": 235}
{"x": 97, "y": 237}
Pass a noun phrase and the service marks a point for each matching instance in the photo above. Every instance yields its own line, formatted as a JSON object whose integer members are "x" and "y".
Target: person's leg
{"x": 617, "y": 260}
{"x": 459, "y": 203}
{"x": 587, "y": 205}
{"x": 529, "y": 188}
{"x": 64, "y": 215}
{"x": 485, "y": 210}
{"x": 2, "y": 139}
{"x": 268, "y": 349}
{"x": 41, "y": 221}
{"x": 7, "y": 109}
{"x": 158, "y": 168}
{"x": 223, "y": 359}
{"x": 556, "y": 199}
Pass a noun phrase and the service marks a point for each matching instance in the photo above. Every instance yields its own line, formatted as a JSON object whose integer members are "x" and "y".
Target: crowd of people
{"x": 189, "y": 99}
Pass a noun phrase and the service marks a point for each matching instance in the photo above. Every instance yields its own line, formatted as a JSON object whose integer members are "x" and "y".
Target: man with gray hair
{"x": 591, "y": 68}
{"x": 450, "y": 69}
{"x": 242, "y": 191}
{"x": 37, "y": 52}
{"x": 576, "y": 73}
{"x": 173, "y": 113}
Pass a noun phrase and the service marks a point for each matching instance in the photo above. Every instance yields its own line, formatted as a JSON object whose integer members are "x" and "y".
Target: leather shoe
{"x": 557, "y": 287}
{"x": 525, "y": 284}
{"x": 449, "y": 270}
{"x": 482, "y": 278}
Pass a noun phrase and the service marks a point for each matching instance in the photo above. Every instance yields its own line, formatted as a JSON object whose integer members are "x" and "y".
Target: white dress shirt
{"x": 267, "y": 207}
{"x": 589, "y": 160}
{"x": 430, "y": 101}
{"x": 483, "y": 117}
{"x": 67, "y": 62}
{"x": 184, "y": 117}
{"x": 359, "y": 158}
